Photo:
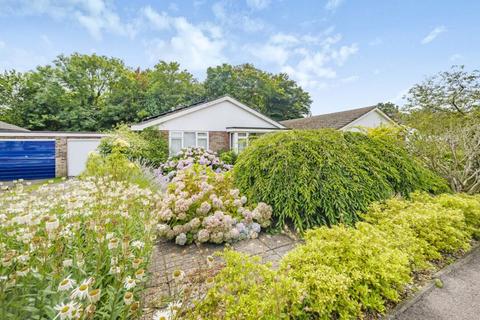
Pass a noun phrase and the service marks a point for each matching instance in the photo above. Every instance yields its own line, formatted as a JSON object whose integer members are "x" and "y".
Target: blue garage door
{"x": 27, "y": 159}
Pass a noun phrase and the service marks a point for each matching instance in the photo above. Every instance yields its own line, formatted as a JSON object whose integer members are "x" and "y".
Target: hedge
{"x": 318, "y": 177}
{"x": 346, "y": 272}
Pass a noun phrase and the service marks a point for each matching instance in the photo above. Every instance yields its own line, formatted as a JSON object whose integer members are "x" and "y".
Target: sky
{"x": 345, "y": 53}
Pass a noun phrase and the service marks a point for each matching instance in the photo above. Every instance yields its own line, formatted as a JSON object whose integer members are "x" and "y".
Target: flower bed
{"x": 75, "y": 249}
{"x": 202, "y": 206}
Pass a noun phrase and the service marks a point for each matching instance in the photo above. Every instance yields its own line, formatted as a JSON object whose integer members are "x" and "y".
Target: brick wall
{"x": 218, "y": 140}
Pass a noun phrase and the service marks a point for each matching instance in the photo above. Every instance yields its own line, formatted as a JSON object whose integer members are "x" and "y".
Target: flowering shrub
{"x": 201, "y": 205}
{"x": 188, "y": 157}
{"x": 73, "y": 250}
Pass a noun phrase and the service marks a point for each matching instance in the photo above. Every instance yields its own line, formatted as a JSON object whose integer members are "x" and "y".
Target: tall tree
{"x": 390, "y": 109}
{"x": 456, "y": 90}
{"x": 272, "y": 94}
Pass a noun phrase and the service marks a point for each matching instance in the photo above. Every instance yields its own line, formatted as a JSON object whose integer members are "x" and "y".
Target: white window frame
{"x": 235, "y": 140}
{"x": 171, "y": 132}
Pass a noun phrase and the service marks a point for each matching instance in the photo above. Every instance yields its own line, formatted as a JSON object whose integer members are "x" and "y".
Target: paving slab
{"x": 458, "y": 299}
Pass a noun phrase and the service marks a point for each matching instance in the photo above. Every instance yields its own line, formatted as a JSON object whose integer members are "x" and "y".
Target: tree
{"x": 390, "y": 109}
{"x": 275, "y": 95}
{"x": 456, "y": 91}
{"x": 444, "y": 113}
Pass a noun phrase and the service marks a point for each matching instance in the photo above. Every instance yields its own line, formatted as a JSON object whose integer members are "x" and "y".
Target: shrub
{"x": 188, "y": 157}
{"x": 469, "y": 205}
{"x": 87, "y": 236}
{"x": 228, "y": 157}
{"x": 424, "y": 230}
{"x": 347, "y": 270}
{"x": 115, "y": 166}
{"x": 203, "y": 206}
{"x": 247, "y": 289}
{"x": 148, "y": 146}
{"x": 317, "y": 177}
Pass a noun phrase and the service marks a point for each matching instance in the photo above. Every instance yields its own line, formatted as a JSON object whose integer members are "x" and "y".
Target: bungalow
{"x": 227, "y": 124}
{"x": 220, "y": 124}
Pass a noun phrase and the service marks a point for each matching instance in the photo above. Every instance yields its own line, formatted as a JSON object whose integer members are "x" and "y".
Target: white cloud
{"x": 2, "y": 44}
{"x": 333, "y": 4}
{"x": 350, "y": 79}
{"x": 233, "y": 18}
{"x": 434, "y": 34}
{"x": 376, "y": 42}
{"x": 195, "y": 47}
{"x": 160, "y": 21}
{"x": 258, "y": 4}
{"x": 310, "y": 60}
{"x": 97, "y": 16}
{"x": 456, "y": 57}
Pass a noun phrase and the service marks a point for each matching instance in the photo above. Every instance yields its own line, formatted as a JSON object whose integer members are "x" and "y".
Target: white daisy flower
{"x": 128, "y": 298}
{"x": 165, "y": 314}
{"x": 81, "y": 291}
{"x": 66, "y": 284}
{"x": 94, "y": 295}
{"x": 129, "y": 283}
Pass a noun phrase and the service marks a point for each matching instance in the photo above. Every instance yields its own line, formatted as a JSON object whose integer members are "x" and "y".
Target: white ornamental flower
{"x": 128, "y": 298}
{"x": 162, "y": 315}
{"x": 52, "y": 225}
{"x": 81, "y": 291}
{"x": 66, "y": 284}
{"x": 129, "y": 283}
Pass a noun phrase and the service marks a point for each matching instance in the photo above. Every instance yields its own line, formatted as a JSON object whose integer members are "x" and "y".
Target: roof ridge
{"x": 334, "y": 113}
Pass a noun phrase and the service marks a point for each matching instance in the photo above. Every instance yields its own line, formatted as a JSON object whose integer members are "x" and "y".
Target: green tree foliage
{"x": 275, "y": 95}
{"x": 390, "y": 109}
{"x": 91, "y": 93}
{"x": 444, "y": 112}
{"x": 316, "y": 177}
{"x": 456, "y": 90}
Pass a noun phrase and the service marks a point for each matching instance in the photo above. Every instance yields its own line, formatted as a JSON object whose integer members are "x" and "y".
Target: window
{"x": 187, "y": 139}
{"x": 242, "y": 141}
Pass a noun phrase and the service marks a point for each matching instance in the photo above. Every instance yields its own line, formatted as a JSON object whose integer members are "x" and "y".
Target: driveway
{"x": 459, "y": 299}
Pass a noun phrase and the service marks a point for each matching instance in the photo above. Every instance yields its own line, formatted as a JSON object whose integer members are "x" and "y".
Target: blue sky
{"x": 345, "y": 53}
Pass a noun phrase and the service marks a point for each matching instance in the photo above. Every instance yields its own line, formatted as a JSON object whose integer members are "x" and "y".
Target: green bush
{"x": 228, "y": 157}
{"x": 116, "y": 166}
{"x": 469, "y": 205}
{"x": 148, "y": 146}
{"x": 317, "y": 177}
{"x": 247, "y": 289}
{"x": 346, "y": 271}
{"x": 424, "y": 230}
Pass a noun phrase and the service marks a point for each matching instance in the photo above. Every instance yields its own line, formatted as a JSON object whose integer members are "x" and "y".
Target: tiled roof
{"x": 335, "y": 120}
{"x": 10, "y": 127}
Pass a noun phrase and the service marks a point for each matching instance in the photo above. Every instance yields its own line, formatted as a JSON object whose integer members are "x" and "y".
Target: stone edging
{"x": 404, "y": 306}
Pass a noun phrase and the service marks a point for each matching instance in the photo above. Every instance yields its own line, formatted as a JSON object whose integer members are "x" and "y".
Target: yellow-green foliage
{"x": 116, "y": 166}
{"x": 348, "y": 270}
{"x": 469, "y": 205}
{"x": 248, "y": 290}
{"x": 424, "y": 230}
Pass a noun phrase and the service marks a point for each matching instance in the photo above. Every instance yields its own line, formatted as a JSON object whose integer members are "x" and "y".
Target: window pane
{"x": 189, "y": 139}
{"x": 175, "y": 134}
{"x": 175, "y": 146}
{"x": 202, "y": 142}
{"x": 242, "y": 144}
{"x": 202, "y": 134}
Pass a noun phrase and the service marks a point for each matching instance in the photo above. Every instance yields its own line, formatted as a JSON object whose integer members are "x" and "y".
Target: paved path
{"x": 459, "y": 299}
{"x": 167, "y": 257}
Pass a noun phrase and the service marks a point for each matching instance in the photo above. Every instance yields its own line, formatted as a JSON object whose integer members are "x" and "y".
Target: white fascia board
{"x": 254, "y": 129}
{"x": 155, "y": 122}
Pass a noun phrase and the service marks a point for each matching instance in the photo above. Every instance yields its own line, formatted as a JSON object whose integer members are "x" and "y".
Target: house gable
{"x": 371, "y": 119}
{"x": 216, "y": 115}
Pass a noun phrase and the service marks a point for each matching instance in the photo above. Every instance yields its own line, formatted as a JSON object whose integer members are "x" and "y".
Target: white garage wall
{"x": 77, "y": 154}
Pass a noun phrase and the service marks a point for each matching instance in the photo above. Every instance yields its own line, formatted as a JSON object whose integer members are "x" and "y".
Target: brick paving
{"x": 167, "y": 257}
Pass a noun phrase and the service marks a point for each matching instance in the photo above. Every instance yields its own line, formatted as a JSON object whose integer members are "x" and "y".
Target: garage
{"x": 27, "y": 159}
{"x": 33, "y": 155}
{"x": 77, "y": 154}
